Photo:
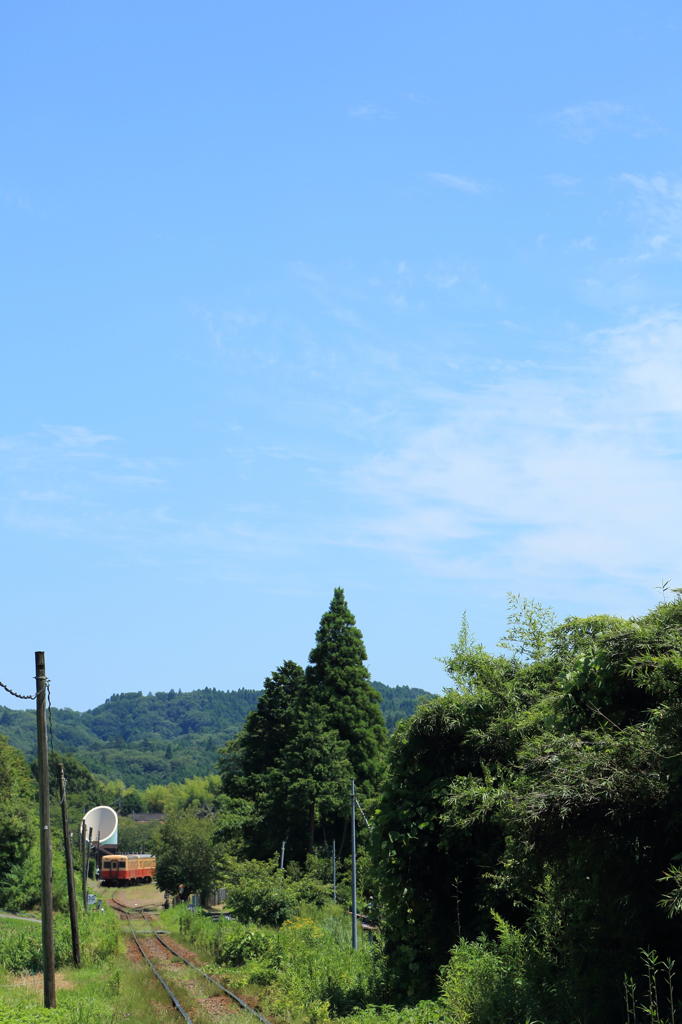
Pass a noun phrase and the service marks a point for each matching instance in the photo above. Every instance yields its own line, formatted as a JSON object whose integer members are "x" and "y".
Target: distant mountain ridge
{"x": 162, "y": 737}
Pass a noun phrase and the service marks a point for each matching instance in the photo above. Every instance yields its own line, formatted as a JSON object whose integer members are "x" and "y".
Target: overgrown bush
{"x": 258, "y": 891}
{"x": 230, "y": 943}
{"x": 495, "y": 981}
{"x": 241, "y": 943}
{"x": 317, "y": 967}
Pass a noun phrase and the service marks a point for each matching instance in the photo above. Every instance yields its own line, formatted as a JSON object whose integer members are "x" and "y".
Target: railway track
{"x": 173, "y": 998}
{"x": 158, "y": 938}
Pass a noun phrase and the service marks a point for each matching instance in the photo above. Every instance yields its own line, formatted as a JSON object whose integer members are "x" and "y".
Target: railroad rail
{"x": 173, "y": 998}
{"x": 141, "y": 911}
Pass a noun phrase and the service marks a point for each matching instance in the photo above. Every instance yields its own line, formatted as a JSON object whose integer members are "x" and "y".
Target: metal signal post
{"x": 354, "y": 897}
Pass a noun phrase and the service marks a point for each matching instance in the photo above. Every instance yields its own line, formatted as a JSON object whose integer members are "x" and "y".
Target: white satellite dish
{"x": 104, "y": 822}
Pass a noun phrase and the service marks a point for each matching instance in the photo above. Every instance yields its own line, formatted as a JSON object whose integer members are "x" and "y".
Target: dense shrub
{"x": 258, "y": 891}
{"x": 239, "y": 943}
{"x": 425, "y": 1012}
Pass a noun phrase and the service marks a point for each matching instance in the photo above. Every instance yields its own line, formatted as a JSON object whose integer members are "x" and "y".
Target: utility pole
{"x": 354, "y": 895}
{"x": 84, "y": 871}
{"x": 73, "y": 909}
{"x": 281, "y": 863}
{"x": 334, "y": 866}
{"x": 87, "y": 867}
{"x": 49, "y": 988}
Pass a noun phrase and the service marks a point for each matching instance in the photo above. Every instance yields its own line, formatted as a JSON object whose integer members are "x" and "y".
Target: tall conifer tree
{"x": 268, "y": 728}
{"x": 312, "y": 777}
{"x": 338, "y": 680}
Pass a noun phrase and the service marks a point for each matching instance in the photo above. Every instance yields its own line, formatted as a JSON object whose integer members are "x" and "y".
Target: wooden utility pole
{"x": 49, "y": 989}
{"x": 73, "y": 909}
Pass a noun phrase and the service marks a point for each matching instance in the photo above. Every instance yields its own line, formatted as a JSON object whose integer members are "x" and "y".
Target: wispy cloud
{"x": 79, "y": 437}
{"x": 453, "y": 181}
{"x": 563, "y": 181}
{"x": 371, "y": 111}
{"x": 42, "y": 496}
{"x": 560, "y": 477}
{"x": 584, "y": 121}
{"x": 230, "y": 324}
{"x": 80, "y": 474}
{"x": 659, "y": 199}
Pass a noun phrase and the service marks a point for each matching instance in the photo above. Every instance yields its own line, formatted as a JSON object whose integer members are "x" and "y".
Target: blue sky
{"x": 384, "y": 296}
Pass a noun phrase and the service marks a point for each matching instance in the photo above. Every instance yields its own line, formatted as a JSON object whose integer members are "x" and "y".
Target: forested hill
{"x": 162, "y": 737}
{"x": 131, "y": 717}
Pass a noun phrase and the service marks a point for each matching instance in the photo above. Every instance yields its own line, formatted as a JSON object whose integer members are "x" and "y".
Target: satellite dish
{"x": 102, "y": 820}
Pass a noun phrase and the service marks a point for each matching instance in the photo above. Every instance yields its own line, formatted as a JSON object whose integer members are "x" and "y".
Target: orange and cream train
{"x": 127, "y": 869}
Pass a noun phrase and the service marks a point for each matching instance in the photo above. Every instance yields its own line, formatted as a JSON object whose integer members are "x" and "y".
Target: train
{"x": 127, "y": 869}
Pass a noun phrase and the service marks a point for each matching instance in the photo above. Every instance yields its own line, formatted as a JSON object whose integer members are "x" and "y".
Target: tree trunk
{"x": 312, "y": 826}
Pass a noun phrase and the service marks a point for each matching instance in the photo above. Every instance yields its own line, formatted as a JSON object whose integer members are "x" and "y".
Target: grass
{"x": 107, "y": 987}
{"x": 21, "y": 944}
{"x": 303, "y": 973}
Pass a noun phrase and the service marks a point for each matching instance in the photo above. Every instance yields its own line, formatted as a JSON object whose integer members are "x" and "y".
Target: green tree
{"x": 81, "y": 785}
{"x": 186, "y": 853}
{"x": 134, "y": 836}
{"x": 529, "y": 628}
{"x": 312, "y": 776}
{"x": 257, "y": 806}
{"x": 133, "y": 802}
{"x": 269, "y": 727}
{"x": 17, "y": 808}
{"x": 310, "y": 734}
{"x": 338, "y": 680}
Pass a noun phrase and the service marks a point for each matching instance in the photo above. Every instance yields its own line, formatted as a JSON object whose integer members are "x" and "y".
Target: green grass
{"x": 84, "y": 996}
{"x": 21, "y": 942}
{"x": 303, "y": 973}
